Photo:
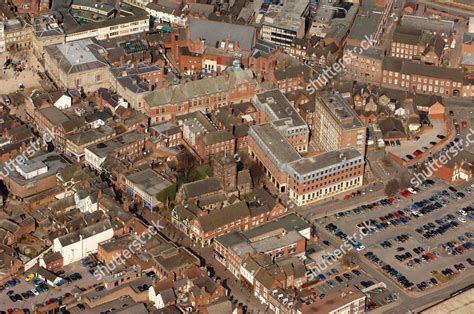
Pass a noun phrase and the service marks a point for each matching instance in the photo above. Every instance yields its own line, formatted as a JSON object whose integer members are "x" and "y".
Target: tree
{"x": 350, "y": 259}
{"x": 392, "y": 187}
{"x": 256, "y": 170}
{"x": 186, "y": 162}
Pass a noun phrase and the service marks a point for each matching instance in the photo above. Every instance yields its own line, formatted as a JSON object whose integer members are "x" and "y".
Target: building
{"x": 219, "y": 44}
{"x": 273, "y": 152}
{"x": 204, "y": 138}
{"x": 305, "y": 179}
{"x": 281, "y": 24}
{"x": 76, "y": 143}
{"x": 35, "y": 175}
{"x": 205, "y": 95}
{"x": 79, "y": 244}
{"x": 366, "y": 65}
{"x": 348, "y": 300}
{"x": 455, "y": 170}
{"x": 325, "y": 175}
{"x": 145, "y": 185}
{"x": 83, "y": 19}
{"x": 78, "y": 64}
{"x": 421, "y": 78}
{"x": 120, "y": 147}
{"x": 166, "y": 13}
{"x": 337, "y": 126}
{"x": 278, "y": 238}
{"x": 277, "y": 110}
{"x": 15, "y": 35}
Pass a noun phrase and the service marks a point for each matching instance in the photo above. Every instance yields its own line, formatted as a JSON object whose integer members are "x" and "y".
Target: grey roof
{"x": 148, "y": 181}
{"x": 71, "y": 26}
{"x": 78, "y": 56}
{"x": 86, "y": 232}
{"x": 306, "y": 169}
{"x": 201, "y": 8}
{"x": 392, "y": 64}
{"x": 214, "y": 32}
{"x": 407, "y": 35}
{"x": 341, "y": 111}
{"x": 427, "y": 23}
{"x": 53, "y": 161}
{"x": 413, "y": 68}
{"x": 217, "y": 137}
{"x": 54, "y": 115}
{"x": 181, "y": 93}
{"x": 274, "y": 144}
{"x": 201, "y": 187}
{"x": 91, "y": 135}
{"x": 365, "y": 24}
{"x": 220, "y": 217}
{"x": 289, "y": 16}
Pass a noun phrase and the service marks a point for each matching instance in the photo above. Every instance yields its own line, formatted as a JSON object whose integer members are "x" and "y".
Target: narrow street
{"x": 238, "y": 293}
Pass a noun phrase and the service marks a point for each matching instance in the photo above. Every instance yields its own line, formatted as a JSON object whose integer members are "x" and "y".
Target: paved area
{"x": 54, "y": 292}
{"x": 28, "y": 77}
{"x": 424, "y": 143}
{"x": 409, "y": 300}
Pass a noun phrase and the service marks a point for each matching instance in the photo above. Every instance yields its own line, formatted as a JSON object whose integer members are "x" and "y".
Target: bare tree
{"x": 392, "y": 187}
{"x": 256, "y": 170}
{"x": 186, "y": 162}
{"x": 350, "y": 259}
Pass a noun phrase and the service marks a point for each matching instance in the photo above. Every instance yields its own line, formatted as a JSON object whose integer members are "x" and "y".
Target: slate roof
{"x": 213, "y": 32}
{"x": 220, "y": 217}
{"x": 201, "y": 187}
{"x": 178, "y": 94}
{"x": 78, "y": 56}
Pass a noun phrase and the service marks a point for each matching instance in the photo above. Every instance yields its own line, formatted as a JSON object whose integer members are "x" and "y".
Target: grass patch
{"x": 198, "y": 173}
{"x": 168, "y": 194}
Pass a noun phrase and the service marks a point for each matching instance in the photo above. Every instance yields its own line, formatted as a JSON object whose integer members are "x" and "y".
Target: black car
{"x": 326, "y": 242}
{"x": 338, "y": 279}
{"x": 453, "y": 189}
{"x": 356, "y": 272}
{"x": 441, "y": 137}
{"x": 470, "y": 261}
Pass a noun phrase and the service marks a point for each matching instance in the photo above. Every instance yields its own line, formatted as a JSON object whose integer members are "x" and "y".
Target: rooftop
{"x": 78, "y": 56}
{"x": 148, "y": 181}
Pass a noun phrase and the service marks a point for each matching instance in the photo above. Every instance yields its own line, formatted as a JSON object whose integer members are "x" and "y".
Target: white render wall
{"x": 82, "y": 248}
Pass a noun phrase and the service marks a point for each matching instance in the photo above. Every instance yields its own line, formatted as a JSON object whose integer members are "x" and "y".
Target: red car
{"x": 464, "y": 124}
{"x": 417, "y": 153}
{"x": 405, "y": 193}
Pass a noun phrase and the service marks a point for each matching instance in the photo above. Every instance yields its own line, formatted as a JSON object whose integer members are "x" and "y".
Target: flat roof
{"x": 342, "y": 112}
{"x": 280, "y": 108}
{"x": 148, "y": 181}
{"x": 289, "y": 16}
{"x": 305, "y": 167}
{"x": 281, "y": 150}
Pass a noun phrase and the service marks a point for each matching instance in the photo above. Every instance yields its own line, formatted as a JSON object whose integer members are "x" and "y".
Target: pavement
{"x": 28, "y": 77}
{"x": 54, "y": 292}
{"x": 409, "y": 301}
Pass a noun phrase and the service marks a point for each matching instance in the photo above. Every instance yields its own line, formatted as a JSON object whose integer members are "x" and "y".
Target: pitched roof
{"x": 220, "y": 217}
{"x": 214, "y": 32}
{"x": 201, "y": 187}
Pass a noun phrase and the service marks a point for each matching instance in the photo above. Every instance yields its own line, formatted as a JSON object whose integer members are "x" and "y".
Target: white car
{"x": 462, "y": 212}
{"x": 360, "y": 248}
{"x": 461, "y": 219}
{"x": 411, "y": 190}
{"x": 35, "y": 292}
